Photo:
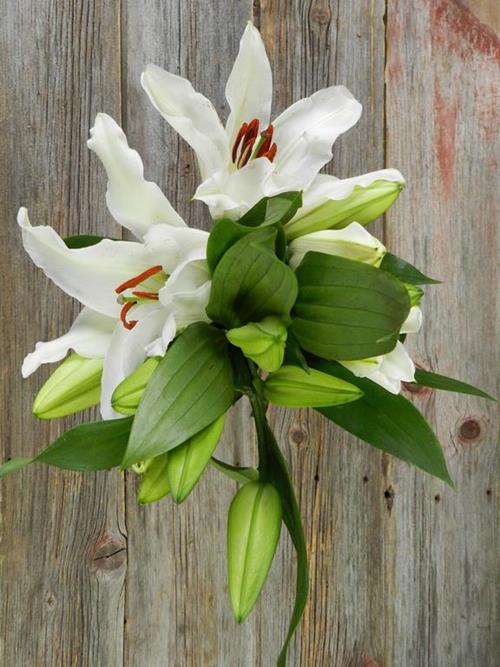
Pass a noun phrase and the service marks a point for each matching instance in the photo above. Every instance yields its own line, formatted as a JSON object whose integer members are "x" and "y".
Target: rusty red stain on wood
{"x": 445, "y": 118}
{"x": 455, "y": 26}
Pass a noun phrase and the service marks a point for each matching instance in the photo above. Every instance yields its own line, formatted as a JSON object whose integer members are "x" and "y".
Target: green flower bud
{"x": 127, "y": 395}
{"x": 154, "y": 483}
{"x": 293, "y": 387}
{"x": 253, "y": 530}
{"x": 74, "y": 386}
{"x": 262, "y": 342}
{"x": 363, "y": 205}
{"x": 187, "y": 462}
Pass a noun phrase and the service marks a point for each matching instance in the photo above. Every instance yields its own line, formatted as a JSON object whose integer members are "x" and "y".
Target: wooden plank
{"x": 441, "y": 129}
{"x": 61, "y": 598}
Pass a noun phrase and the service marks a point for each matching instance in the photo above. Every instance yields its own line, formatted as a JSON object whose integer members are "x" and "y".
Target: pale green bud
{"x": 75, "y": 385}
{"x": 253, "y": 530}
{"x": 353, "y": 242}
{"x": 262, "y": 342}
{"x": 187, "y": 462}
{"x": 154, "y": 483}
{"x": 293, "y": 387}
{"x": 415, "y": 293}
{"x": 363, "y": 205}
{"x": 127, "y": 395}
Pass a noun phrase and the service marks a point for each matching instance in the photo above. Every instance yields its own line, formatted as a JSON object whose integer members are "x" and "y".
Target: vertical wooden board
{"x": 177, "y": 608}
{"x": 340, "y": 482}
{"x": 441, "y": 129}
{"x": 61, "y": 599}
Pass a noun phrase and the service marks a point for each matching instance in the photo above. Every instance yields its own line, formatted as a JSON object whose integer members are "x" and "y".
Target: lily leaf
{"x": 250, "y": 282}
{"x": 436, "y": 381}
{"x": 346, "y": 309}
{"x": 13, "y": 465}
{"x": 191, "y": 387}
{"x": 270, "y": 210}
{"x": 239, "y": 474}
{"x": 387, "y": 421}
{"x": 82, "y": 240}
{"x": 405, "y": 271}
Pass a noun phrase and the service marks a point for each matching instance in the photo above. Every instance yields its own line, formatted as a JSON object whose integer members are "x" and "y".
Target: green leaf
{"x": 346, "y": 309}
{"x": 13, "y": 465}
{"x": 191, "y": 387}
{"x": 436, "y": 381}
{"x": 405, "y": 271}
{"x": 154, "y": 483}
{"x": 250, "y": 282}
{"x": 81, "y": 241}
{"x": 88, "y": 447}
{"x": 387, "y": 421}
{"x": 276, "y": 470}
{"x": 239, "y": 474}
{"x": 270, "y": 210}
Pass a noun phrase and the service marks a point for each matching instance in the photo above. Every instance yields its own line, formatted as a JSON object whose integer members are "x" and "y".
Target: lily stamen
{"x": 246, "y": 147}
{"x": 123, "y": 315}
{"x": 147, "y": 295}
{"x": 136, "y": 280}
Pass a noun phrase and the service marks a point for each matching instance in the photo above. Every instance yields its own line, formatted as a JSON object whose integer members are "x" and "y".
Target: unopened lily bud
{"x": 187, "y": 462}
{"x": 353, "y": 242}
{"x": 154, "y": 483}
{"x": 293, "y": 387}
{"x": 74, "y": 386}
{"x": 363, "y": 205}
{"x": 253, "y": 530}
{"x": 263, "y": 342}
{"x": 127, "y": 395}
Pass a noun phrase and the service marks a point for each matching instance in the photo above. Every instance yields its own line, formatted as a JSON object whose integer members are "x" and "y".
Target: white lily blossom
{"x": 136, "y": 294}
{"x": 250, "y": 158}
{"x": 352, "y": 242}
{"x": 387, "y": 370}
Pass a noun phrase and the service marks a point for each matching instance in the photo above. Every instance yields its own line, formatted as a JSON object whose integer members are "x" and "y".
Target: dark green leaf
{"x": 192, "y": 386}
{"x": 250, "y": 282}
{"x": 13, "y": 465}
{"x": 82, "y": 241}
{"x": 346, "y": 309}
{"x": 405, "y": 271}
{"x": 270, "y": 210}
{"x": 225, "y": 233}
{"x": 436, "y": 381}
{"x": 236, "y": 473}
{"x": 92, "y": 446}
{"x": 387, "y": 421}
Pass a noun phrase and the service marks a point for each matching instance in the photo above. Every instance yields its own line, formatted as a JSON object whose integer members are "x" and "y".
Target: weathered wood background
{"x": 402, "y": 568}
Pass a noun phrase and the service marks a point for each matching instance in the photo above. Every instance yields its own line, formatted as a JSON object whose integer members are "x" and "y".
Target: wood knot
{"x": 321, "y": 15}
{"x": 470, "y": 430}
{"x": 389, "y": 497}
{"x": 416, "y": 389}
{"x": 109, "y": 553}
{"x": 297, "y": 435}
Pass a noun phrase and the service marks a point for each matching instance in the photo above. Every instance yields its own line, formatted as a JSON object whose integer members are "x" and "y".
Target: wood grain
{"x": 402, "y": 568}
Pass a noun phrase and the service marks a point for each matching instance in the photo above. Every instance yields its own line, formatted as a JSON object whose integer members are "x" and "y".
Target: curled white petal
{"x": 174, "y": 246}
{"x": 133, "y": 202}
{"x": 190, "y": 114}
{"x": 89, "y": 336}
{"x": 186, "y": 293}
{"x": 88, "y": 274}
{"x": 387, "y": 370}
{"x": 249, "y": 87}
{"x": 413, "y": 322}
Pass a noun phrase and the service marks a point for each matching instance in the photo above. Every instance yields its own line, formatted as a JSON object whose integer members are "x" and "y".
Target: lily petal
{"x": 127, "y": 350}
{"x": 190, "y": 114}
{"x": 174, "y": 246}
{"x": 87, "y": 274}
{"x": 186, "y": 293}
{"x": 89, "y": 336}
{"x": 133, "y": 202}
{"x": 250, "y": 85}
{"x": 304, "y": 133}
{"x": 413, "y": 322}
{"x": 388, "y": 370}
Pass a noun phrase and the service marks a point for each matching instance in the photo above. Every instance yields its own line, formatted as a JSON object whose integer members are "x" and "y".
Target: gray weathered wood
{"x": 402, "y": 568}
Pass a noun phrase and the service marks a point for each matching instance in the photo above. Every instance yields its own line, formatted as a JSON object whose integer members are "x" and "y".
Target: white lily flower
{"x": 250, "y": 158}
{"x": 353, "y": 242}
{"x": 136, "y": 294}
{"x": 387, "y": 370}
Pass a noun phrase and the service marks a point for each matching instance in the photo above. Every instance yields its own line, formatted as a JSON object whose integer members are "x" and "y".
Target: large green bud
{"x": 263, "y": 342}
{"x": 293, "y": 387}
{"x": 187, "y": 462}
{"x": 154, "y": 483}
{"x": 127, "y": 395}
{"x": 364, "y": 204}
{"x": 75, "y": 385}
{"x": 253, "y": 530}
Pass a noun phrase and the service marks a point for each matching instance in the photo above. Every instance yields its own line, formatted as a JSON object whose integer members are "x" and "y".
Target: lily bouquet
{"x": 288, "y": 301}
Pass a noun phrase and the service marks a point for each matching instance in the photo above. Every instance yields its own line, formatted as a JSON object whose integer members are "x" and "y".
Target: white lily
{"x": 250, "y": 158}
{"x": 136, "y": 294}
